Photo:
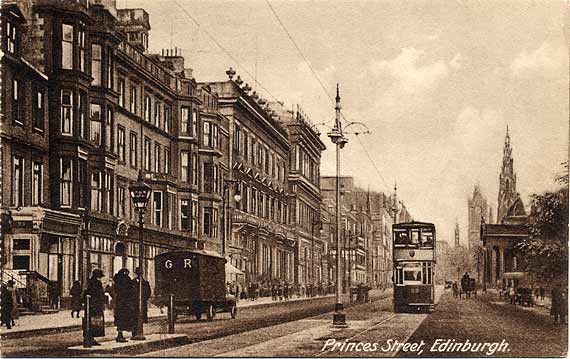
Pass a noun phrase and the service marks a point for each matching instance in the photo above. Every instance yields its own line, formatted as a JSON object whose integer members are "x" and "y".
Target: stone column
{"x": 259, "y": 263}
{"x": 501, "y": 262}
{"x": 493, "y": 268}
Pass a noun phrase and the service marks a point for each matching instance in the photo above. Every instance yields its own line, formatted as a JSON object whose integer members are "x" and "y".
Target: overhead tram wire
{"x": 224, "y": 50}
{"x": 321, "y": 84}
{"x": 373, "y": 163}
{"x": 323, "y": 87}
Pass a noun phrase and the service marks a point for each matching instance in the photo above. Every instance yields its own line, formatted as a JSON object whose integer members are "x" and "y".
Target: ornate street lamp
{"x": 140, "y": 194}
{"x": 227, "y": 224}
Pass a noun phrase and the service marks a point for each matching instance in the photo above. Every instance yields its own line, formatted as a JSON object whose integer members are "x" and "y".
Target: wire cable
{"x": 224, "y": 50}
{"x": 299, "y": 50}
{"x": 373, "y": 164}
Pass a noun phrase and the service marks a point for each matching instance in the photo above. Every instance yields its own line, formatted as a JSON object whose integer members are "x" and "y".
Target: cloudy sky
{"x": 437, "y": 82}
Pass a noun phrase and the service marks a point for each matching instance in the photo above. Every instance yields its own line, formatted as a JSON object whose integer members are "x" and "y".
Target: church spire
{"x": 457, "y": 243}
{"x": 507, "y": 180}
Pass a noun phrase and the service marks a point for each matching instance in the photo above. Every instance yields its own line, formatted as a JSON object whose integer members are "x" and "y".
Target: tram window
{"x": 399, "y": 276}
{"x": 426, "y": 238}
{"x": 427, "y": 273}
{"x": 415, "y": 237}
{"x": 402, "y": 238}
{"x": 412, "y": 273}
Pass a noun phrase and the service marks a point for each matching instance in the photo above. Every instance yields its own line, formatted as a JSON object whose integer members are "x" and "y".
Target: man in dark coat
{"x": 146, "y": 292}
{"x": 96, "y": 306}
{"x": 7, "y": 304}
{"x": 556, "y": 309}
{"x": 75, "y": 293}
{"x": 124, "y": 302}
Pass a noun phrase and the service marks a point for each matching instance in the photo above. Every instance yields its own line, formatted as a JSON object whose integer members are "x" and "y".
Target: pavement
{"x": 62, "y": 321}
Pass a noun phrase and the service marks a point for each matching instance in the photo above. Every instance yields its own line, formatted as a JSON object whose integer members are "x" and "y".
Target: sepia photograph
{"x": 284, "y": 178}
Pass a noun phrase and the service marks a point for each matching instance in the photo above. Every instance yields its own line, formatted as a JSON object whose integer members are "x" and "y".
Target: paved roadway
{"x": 527, "y": 332}
{"x": 303, "y": 330}
{"x": 249, "y": 318}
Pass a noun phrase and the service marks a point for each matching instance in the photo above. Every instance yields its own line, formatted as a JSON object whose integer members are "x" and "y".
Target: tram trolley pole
{"x": 171, "y": 315}
{"x": 87, "y": 340}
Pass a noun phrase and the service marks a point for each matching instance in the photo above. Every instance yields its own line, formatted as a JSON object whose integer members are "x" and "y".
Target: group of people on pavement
{"x": 8, "y": 304}
{"x": 279, "y": 290}
{"x": 125, "y": 296}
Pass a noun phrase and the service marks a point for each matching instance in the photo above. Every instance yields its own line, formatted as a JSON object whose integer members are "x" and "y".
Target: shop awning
{"x": 230, "y": 269}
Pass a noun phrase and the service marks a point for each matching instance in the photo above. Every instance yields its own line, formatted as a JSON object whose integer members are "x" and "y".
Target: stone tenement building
{"x": 86, "y": 107}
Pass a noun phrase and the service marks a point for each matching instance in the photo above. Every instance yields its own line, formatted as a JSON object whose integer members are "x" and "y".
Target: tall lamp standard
{"x": 140, "y": 194}
{"x": 227, "y": 226}
{"x": 336, "y": 136}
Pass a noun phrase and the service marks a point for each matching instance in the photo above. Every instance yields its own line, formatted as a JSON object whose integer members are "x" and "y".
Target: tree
{"x": 545, "y": 252}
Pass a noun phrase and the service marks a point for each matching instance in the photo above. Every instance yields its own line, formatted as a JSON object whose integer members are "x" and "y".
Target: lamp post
{"x": 336, "y": 136}
{"x": 140, "y": 194}
{"x": 237, "y": 198}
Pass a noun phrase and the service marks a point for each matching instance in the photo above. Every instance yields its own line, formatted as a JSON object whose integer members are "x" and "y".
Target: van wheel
{"x": 233, "y": 311}
{"x": 211, "y": 313}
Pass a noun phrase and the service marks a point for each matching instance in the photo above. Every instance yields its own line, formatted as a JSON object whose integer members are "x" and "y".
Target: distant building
{"x": 477, "y": 213}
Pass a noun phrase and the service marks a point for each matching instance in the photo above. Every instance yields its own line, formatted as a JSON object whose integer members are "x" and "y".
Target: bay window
{"x": 167, "y": 169}
{"x": 96, "y": 60}
{"x": 17, "y": 102}
{"x": 157, "y": 202}
{"x": 66, "y": 112}
{"x": 184, "y": 166}
{"x": 96, "y": 124}
{"x": 97, "y": 190}
{"x": 18, "y": 182}
{"x": 11, "y": 37}
{"x": 67, "y": 40}
{"x": 37, "y": 182}
{"x": 39, "y": 109}
{"x": 185, "y": 215}
{"x": 66, "y": 182}
{"x": 185, "y": 120}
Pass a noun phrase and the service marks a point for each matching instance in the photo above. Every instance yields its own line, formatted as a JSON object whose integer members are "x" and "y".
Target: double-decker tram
{"x": 414, "y": 265}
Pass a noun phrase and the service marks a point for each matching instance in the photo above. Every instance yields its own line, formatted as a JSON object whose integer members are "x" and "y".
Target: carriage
{"x": 194, "y": 280}
{"x": 414, "y": 266}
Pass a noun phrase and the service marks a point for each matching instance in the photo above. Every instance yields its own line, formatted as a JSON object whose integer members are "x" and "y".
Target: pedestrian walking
{"x": 146, "y": 292}
{"x": 454, "y": 289}
{"x": 96, "y": 314}
{"x": 542, "y": 292}
{"x": 286, "y": 291}
{"x": 15, "y": 310}
{"x": 75, "y": 293}
{"x": 7, "y": 304}
{"x": 556, "y": 308}
{"x": 124, "y": 302}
